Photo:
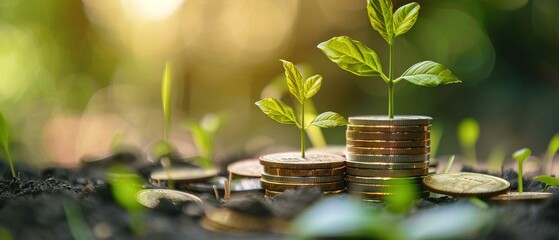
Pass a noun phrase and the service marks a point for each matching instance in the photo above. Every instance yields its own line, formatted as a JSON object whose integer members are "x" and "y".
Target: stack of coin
{"x": 289, "y": 170}
{"x": 384, "y": 152}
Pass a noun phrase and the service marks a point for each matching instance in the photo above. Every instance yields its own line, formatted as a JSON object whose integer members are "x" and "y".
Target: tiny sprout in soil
{"x": 353, "y": 56}
{"x": 520, "y": 156}
{"x": 4, "y": 137}
{"x": 552, "y": 149}
{"x": 302, "y": 90}
{"x": 549, "y": 181}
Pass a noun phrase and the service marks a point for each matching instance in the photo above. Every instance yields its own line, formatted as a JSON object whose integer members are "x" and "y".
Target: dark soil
{"x": 39, "y": 205}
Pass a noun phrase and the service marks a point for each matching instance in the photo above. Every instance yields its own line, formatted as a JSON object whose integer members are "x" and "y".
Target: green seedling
{"x": 449, "y": 164}
{"x": 163, "y": 149}
{"x": 124, "y": 185}
{"x": 4, "y": 137}
{"x": 552, "y": 149}
{"x": 76, "y": 221}
{"x": 548, "y": 180}
{"x": 353, "y": 56}
{"x": 468, "y": 134}
{"x": 277, "y": 89}
{"x": 203, "y": 133}
{"x": 301, "y": 89}
{"x": 520, "y": 156}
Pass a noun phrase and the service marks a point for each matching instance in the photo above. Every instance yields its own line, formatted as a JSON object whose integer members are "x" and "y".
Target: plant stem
{"x": 391, "y": 83}
{"x": 520, "y": 171}
{"x": 303, "y": 129}
{"x": 11, "y": 163}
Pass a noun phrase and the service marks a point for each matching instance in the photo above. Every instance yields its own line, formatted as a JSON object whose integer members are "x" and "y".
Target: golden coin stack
{"x": 289, "y": 170}
{"x": 384, "y": 152}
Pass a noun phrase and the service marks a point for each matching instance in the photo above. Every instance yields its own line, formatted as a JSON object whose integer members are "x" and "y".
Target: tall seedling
{"x": 353, "y": 56}
{"x": 4, "y": 137}
{"x": 301, "y": 89}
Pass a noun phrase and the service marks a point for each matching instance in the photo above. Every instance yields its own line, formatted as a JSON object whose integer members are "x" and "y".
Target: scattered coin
{"x": 237, "y": 185}
{"x": 388, "y": 128}
{"x": 281, "y": 186}
{"x": 246, "y": 168}
{"x": 304, "y": 172}
{"x": 384, "y": 180}
{"x": 388, "y": 151}
{"x": 381, "y": 165}
{"x": 387, "y": 143}
{"x": 293, "y": 179}
{"x": 227, "y": 220}
{"x": 150, "y": 197}
{"x": 364, "y": 172}
{"x": 522, "y": 196}
{"x": 464, "y": 184}
{"x": 293, "y": 160}
{"x": 401, "y": 120}
{"x": 414, "y": 136}
{"x": 183, "y": 174}
{"x": 387, "y": 158}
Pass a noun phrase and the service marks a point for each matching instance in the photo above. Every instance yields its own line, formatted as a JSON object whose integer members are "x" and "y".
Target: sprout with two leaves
{"x": 301, "y": 89}
{"x": 353, "y": 56}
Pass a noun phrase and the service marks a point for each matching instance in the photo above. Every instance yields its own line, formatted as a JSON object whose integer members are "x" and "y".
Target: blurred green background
{"x": 73, "y": 73}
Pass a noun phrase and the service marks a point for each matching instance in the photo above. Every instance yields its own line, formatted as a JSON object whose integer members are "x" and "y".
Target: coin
{"x": 402, "y": 120}
{"x": 237, "y": 185}
{"x": 335, "y": 149}
{"x": 364, "y": 172}
{"x": 270, "y": 193}
{"x": 183, "y": 174}
{"x": 304, "y": 172}
{"x": 150, "y": 197}
{"x": 387, "y": 158}
{"x": 360, "y": 187}
{"x": 388, "y": 151}
{"x": 246, "y": 168}
{"x": 389, "y": 128}
{"x": 293, "y": 179}
{"x": 387, "y": 144}
{"x": 522, "y": 196}
{"x": 384, "y": 180}
{"x": 465, "y": 184}
{"x": 293, "y": 160}
{"x": 359, "y": 135}
{"x": 381, "y": 195}
{"x": 381, "y": 165}
{"x": 277, "y": 186}
{"x": 227, "y": 219}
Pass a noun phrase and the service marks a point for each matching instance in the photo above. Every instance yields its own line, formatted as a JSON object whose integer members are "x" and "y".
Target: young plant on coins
{"x": 520, "y": 156}
{"x": 301, "y": 89}
{"x": 4, "y": 138}
{"x": 353, "y": 56}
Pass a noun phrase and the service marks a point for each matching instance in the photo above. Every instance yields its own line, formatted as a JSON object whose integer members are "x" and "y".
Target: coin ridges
{"x": 305, "y": 172}
{"x": 296, "y": 179}
{"x": 381, "y": 165}
{"x": 246, "y": 168}
{"x": 386, "y": 173}
{"x": 402, "y": 120}
{"x": 384, "y": 180}
{"x": 387, "y": 158}
{"x": 388, "y": 151}
{"x": 413, "y": 136}
{"x": 276, "y": 186}
{"x": 293, "y": 160}
{"x": 388, "y": 128}
{"x": 387, "y": 143}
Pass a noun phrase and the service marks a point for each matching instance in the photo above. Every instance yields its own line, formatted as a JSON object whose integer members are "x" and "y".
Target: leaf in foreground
{"x": 277, "y": 110}
{"x": 549, "y": 180}
{"x": 329, "y": 120}
{"x": 405, "y": 17}
{"x": 352, "y": 56}
{"x": 429, "y": 74}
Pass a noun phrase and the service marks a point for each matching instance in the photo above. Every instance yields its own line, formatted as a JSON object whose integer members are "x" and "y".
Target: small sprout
{"x": 4, "y": 138}
{"x": 353, "y": 56}
{"x": 76, "y": 221}
{"x": 548, "y": 180}
{"x": 552, "y": 149}
{"x": 203, "y": 133}
{"x": 479, "y": 203}
{"x": 520, "y": 156}
{"x": 166, "y": 83}
{"x": 449, "y": 165}
{"x": 468, "y": 133}
{"x": 302, "y": 90}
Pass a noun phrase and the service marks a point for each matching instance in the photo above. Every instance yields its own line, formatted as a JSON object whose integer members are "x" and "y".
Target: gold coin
{"x": 402, "y": 120}
{"x": 269, "y": 193}
{"x": 387, "y": 144}
{"x": 364, "y": 172}
{"x": 388, "y": 128}
{"x": 293, "y": 179}
{"x": 304, "y": 172}
{"x": 335, "y": 149}
{"x": 522, "y": 196}
{"x": 246, "y": 168}
{"x": 293, "y": 160}
{"x": 380, "y": 165}
{"x": 388, "y": 151}
{"x": 183, "y": 174}
{"x": 277, "y": 186}
{"x": 387, "y": 158}
{"x": 360, "y": 187}
{"x": 384, "y": 180}
{"x": 414, "y": 136}
{"x": 227, "y": 219}
{"x": 379, "y": 196}
{"x": 151, "y": 197}
{"x": 465, "y": 184}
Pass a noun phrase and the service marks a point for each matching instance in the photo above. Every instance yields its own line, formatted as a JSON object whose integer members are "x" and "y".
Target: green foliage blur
{"x": 74, "y": 72}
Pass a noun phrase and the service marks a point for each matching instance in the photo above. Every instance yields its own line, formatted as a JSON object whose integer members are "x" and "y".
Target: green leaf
{"x": 294, "y": 80}
{"x": 277, "y": 110}
{"x": 380, "y": 16}
{"x": 4, "y": 131}
{"x": 553, "y": 146}
{"x": 312, "y": 85}
{"x": 166, "y": 99}
{"x": 549, "y": 180}
{"x": 329, "y": 120}
{"x": 522, "y": 154}
{"x": 202, "y": 138}
{"x": 405, "y": 17}
{"x": 352, "y": 56}
{"x": 429, "y": 74}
